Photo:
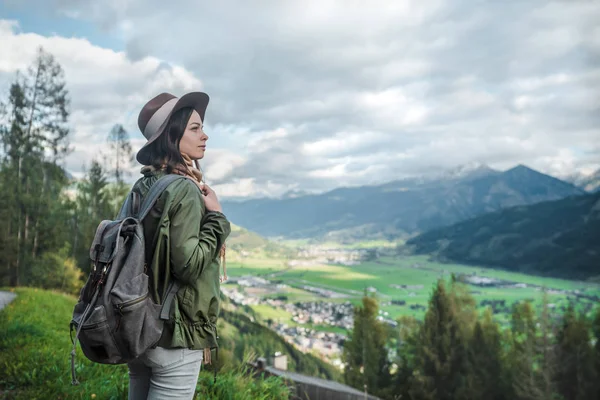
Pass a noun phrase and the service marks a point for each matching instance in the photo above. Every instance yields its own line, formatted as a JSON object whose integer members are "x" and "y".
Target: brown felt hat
{"x": 155, "y": 114}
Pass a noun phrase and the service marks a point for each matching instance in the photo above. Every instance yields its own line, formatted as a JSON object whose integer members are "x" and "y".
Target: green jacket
{"x": 183, "y": 242}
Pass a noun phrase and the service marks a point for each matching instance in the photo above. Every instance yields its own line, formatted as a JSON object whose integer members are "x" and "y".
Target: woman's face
{"x": 193, "y": 142}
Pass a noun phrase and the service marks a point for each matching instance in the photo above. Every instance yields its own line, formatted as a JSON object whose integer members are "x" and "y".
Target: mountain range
{"x": 556, "y": 238}
{"x": 398, "y": 209}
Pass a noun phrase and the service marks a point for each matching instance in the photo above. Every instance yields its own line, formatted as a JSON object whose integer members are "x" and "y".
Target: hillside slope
{"x": 398, "y": 208}
{"x": 241, "y": 240}
{"x": 35, "y": 347}
{"x": 556, "y": 238}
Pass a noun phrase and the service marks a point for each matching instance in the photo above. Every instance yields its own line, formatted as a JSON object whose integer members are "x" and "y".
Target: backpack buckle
{"x": 99, "y": 248}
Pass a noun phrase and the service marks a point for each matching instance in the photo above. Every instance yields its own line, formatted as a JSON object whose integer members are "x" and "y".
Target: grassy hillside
{"x": 557, "y": 238}
{"x": 241, "y": 336}
{"x": 243, "y": 242}
{"x": 35, "y": 359}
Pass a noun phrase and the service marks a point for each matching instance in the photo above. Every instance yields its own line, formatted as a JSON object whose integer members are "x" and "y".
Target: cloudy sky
{"x": 311, "y": 95}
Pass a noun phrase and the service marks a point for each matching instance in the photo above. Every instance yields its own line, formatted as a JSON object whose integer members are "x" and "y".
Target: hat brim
{"x": 195, "y": 100}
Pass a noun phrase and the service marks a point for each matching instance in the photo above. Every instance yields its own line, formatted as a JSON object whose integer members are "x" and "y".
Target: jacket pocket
{"x": 186, "y": 296}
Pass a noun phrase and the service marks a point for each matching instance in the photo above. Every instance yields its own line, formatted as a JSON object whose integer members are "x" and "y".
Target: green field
{"x": 352, "y": 281}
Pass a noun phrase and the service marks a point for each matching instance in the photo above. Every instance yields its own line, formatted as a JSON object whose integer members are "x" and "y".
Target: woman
{"x": 185, "y": 234}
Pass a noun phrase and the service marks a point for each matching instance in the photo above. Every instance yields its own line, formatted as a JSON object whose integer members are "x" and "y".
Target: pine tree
{"x": 407, "y": 344}
{"x": 48, "y": 109}
{"x": 596, "y": 334}
{"x": 92, "y": 206}
{"x": 442, "y": 356}
{"x": 486, "y": 360}
{"x": 35, "y": 140}
{"x": 121, "y": 156}
{"x": 530, "y": 359}
{"x": 121, "y": 151}
{"x": 365, "y": 354}
{"x": 576, "y": 375}
{"x": 17, "y": 145}
{"x": 522, "y": 352}
{"x": 546, "y": 358}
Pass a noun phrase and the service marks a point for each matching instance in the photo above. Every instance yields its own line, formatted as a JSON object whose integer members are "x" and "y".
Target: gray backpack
{"x": 115, "y": 319}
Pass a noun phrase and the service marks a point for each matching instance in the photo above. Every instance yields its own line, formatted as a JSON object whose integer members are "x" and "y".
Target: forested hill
{"x": 556, "y": 238}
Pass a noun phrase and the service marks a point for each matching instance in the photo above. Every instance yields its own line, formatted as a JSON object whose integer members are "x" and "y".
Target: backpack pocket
{"x": 138, "y": 325}
{"x": 96, "y": 339}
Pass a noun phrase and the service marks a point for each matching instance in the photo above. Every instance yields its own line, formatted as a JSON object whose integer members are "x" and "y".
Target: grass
{"x": 277, "y": 315}
{"x": 35, "y": 359}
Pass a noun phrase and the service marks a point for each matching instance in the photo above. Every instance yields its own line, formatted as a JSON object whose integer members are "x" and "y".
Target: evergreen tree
{"x": 486, "y": 360}
{"x": 121, "y": 152}
{"x": 365, "y": 354}
{"x": 48, "y": 112}
{"x": 576, "y": 374}
{"x": 442, "y": 356}
{"x": 525, "y": 355}
{"x": 407, "y": 344}
{"x": 596, "y": 334}
{"x": 16, "y": 146}
{"x": 120, "y": 158}
{"x": 35, "y": 139}
{"x": 547, "y": 360}
{"x": 92, "y": 206}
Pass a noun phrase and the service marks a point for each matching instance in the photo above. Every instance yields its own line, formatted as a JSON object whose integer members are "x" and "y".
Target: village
{"x": 299, "y": 328}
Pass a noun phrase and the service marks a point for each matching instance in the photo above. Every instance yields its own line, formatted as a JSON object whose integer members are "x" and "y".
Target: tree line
{"x": 458, "y": 353}
{"x": 46, "y": 231}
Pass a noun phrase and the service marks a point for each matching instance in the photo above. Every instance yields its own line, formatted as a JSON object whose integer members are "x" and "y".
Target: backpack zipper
{"x": 121, "y": 306}
{"x": 93, "y": 326}
{"x": 129, "y": 303}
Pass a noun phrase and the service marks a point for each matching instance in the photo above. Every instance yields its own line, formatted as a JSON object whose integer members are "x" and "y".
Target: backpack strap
{"x": 154, "y": 193}
{"x": 135, "y": 205}
{"x": 87, "y": 310}
{"x": 165, "y": 310}
{"x": 126, "y": 207}
{"x": 131, "y": 206}
{"x": 149, "y": 200}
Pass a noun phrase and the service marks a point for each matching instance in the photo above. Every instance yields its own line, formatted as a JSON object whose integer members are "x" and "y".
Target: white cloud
{"x": 316, "y": 95}
{"x": 104, "y": 85}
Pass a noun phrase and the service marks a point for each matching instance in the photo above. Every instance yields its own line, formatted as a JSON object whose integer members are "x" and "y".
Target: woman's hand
{"x": 210, "y": 199}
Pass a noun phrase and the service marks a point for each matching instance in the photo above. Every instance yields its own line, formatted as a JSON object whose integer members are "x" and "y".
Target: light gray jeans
{"x": 165, "y": 374}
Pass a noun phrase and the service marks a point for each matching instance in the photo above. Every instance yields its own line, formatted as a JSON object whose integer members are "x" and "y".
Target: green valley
{"x": 281, "y": 292}
{"x": 387, "y": 275}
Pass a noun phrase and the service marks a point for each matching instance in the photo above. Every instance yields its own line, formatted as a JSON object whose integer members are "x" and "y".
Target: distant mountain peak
{"x": 523, "y": 176}
{"x": 522, "y": 169}
{"x": 472, "y": 169}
